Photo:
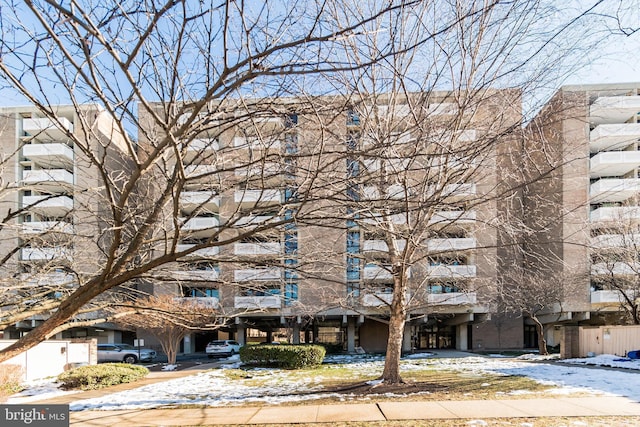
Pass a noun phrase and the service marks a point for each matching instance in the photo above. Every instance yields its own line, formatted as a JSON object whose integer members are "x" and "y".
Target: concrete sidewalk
{"x": 363, "y": 412}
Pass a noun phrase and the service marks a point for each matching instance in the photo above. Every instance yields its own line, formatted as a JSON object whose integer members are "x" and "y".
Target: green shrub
{"x": 284, "y": 356}
{"x": 92, "y": 377}
{"x": 10, "y": 380}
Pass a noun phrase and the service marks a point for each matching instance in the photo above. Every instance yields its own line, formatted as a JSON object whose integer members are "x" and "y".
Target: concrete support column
{"x": 296, "y": 333}
{"x": 241, "y": 334}
{"x": 406, "y": 338}
{"x": 461, "y": 337}
{"x": 189, "y": 344}
{"x": 351, "y": 334}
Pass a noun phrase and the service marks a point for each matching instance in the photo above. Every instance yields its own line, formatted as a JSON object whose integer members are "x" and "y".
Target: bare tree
{"x": 169, "y": 319}
{"x": 169, "y": 70}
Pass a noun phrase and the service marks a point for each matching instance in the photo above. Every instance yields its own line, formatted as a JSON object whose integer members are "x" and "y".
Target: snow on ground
{"x": 39, "y": 390}
{"x": 221, "y": 387}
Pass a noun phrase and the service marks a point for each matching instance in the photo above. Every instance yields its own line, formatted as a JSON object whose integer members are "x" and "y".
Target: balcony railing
{"x": 47, "y": 178}
{"x": 377, "y": 299}
{"x": 206, "y": 201}
{"x": 257, "y": 143}
{"x": 52, "y": 155}
{"x": 615, "y": 213}
{"x": 615, "y": 268}
{"x": 262, "y": 248}
{"x": 613, "y": 163}
{"x": 446, "y": 218}
{"x": 41, "y": 227}
{"x": 200, "y": 148}
{"x": 397, "y": 192}
{"x": 612, "y": 241}
{"x": 49, "y": 279}
{"x": 258, "y": 274}
{"x": 613, "y": 137}
{"x": 450, "y": 245}
{"x": 614, "y": 109}
{"x": 200, "y": 226}
{"x": 376, "y": 245}
{"x": 200, "y": 302}
{"x": 200, "y": 253}
{"x": 253, "y": 197}
{"x": 44, "y": 129}
{"x": 252, "y": 221}
{"x": 258, "y": 302}
{"x": 375, "y": 272}
{"x": 397, "y": 219}
{"x": 614, "y": 190}
{"x": 196, "y": 275}
{"x": 45, "y": 254}
{"x": 46, "y": 205}
{"x": 453, "y": 298}
{"x": 444, "y": 271}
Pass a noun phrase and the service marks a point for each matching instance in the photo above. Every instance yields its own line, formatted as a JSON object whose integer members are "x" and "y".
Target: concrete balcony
{"x": 442, "y": 108}
{"x": 451, "y": 271}
{"x": 51, "y": 156}
{"x": 45, "y": 254}
{"x": 613, "y": 241}
{"x": 377, "y": 299}
{"x": 200, "y": 253}
{"x": 390, "y": 165}
{"x": 614, "y": 137}
{"x": 257, "y": 274}
{"x": 43, "y": 227}
{"x": 200, "y": 171}
{"x": 447, "y": 218}
{"x": 199, "y": 302}
{"x": 258, "y": 302}
{"x": 200, "y": 148}
{"x": 613, "y": 163}
{"x": 44, "y": 129}
{"x": 453, "y": 298}
{"x": 459, "y": 191}
{"x": 196, "y": 275}
{"x": 257, "y": 143}
{"x": 268, "y": 169}
{"x": 614, "y": 109}
{"x": 47, "y": 205}
{"x": 251, "y": 221}
{"x": 615, "y": 213}
{"x": 205, "y": 201}
{"x": 48, "y": 179}
{"x": 615, "y": 268}
{"x": 49, "y": 279}
{"x": 376, "y": 245}
{"x": 257, "y": 249}
{"x": 607, "y": 297}
{"x": 396, "y": 219}
{"x": 199, "y": 226}
{"x": 613, "y": 189}
{"x": 249, "y": 198}
{"x": 395, "y": 192}
{"x": 375, "y": 272}
{"x": 394, "y": 111}
{"x": 451, "y": 245}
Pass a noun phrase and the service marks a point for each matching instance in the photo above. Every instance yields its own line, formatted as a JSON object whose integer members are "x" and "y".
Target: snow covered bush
{"x": 92, "y": 377}
{"x": 284, "y": 356}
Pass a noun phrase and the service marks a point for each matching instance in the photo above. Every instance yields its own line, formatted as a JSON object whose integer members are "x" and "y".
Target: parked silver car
{"x": 124, "y": 353}
{"x": 221, "y": 348}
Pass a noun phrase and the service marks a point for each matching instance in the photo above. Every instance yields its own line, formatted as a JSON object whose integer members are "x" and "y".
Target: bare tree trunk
{"x": 542, "y": 342}
{"x": 397, "y": 320}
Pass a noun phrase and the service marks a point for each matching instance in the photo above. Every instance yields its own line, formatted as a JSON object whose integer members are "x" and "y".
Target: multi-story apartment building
{"x": 339, "y": 185}
{"x": 585, "y": 142}
{"x": 51, "y": 202}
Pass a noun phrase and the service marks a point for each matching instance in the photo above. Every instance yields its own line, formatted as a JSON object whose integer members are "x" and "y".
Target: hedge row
{"x": 92, "y": 377}
{"x": 284, "y": 356}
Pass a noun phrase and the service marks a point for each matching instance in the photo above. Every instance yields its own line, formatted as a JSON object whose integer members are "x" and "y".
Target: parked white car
{"x": 222, "y": 348}
{"x": 124, "y": 353}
